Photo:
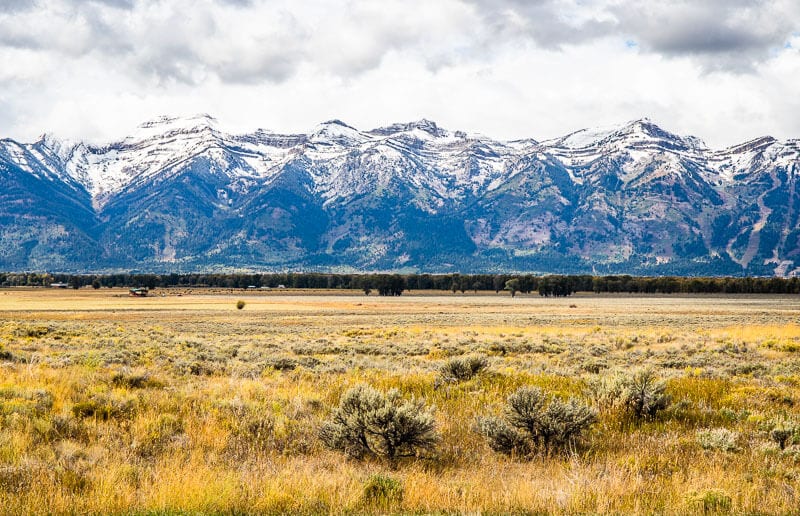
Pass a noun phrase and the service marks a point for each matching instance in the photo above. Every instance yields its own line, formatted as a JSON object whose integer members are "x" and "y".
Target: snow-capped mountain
{"x": 181, "y": 194}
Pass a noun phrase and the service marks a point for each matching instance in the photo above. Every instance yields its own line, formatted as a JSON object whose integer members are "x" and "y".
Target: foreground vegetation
{"x": 189, "y": 404}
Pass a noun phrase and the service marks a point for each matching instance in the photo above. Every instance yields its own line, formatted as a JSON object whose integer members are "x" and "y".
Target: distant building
{"x": 138, "y": 292}
{"x": 59, "y": 285}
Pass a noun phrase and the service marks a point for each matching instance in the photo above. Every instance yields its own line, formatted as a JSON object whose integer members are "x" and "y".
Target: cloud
{"x": 244, "y": 41}
{"x": 117, "y": 4}
{"x": 733, "y": 35}
{"x": 721, "y": 35}
{"x": 237, "y": 3}
{"x": 15, "y": 6}
{"x": 725, "y": 70}
{"x": 250, "y": 42}
{"x": 548, "y": 23}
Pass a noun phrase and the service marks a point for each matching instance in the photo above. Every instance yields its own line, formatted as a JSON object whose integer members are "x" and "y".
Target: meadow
{"x": 180, "y": 403}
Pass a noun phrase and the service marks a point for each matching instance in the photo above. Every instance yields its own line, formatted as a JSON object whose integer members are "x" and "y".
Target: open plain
{"x": 181, "y": 403}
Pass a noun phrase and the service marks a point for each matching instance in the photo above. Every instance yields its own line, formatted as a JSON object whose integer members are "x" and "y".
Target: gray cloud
{"x": 181, "y": 41}
{"x": 732, "y": 35}
{"x": 549, "y": 23}
{"x": 15, "y": 6}
{"x": 722, "y": 34}
{"x": 237, "y": 3}
{"x": 248, "y": 41}
{"x": 117, "y": 4}
{"x": 243, "y": 41}
{"x": 510, "y": 68}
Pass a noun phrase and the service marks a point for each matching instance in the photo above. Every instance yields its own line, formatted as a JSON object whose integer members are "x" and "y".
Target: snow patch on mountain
{"x": 443, "y": 166}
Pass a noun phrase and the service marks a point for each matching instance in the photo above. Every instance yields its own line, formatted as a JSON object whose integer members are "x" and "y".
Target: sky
{"x": 723, "y": 70}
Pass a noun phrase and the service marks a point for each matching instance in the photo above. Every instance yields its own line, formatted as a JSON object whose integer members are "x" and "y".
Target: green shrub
{"x": 104, "y": 407}
{"x": 381, "y": 492}
{"x": 371, "y": 423}
{"x": 282, "y": 364}
{"x": 709, "y": 502}
{"x": 68, "y": 427}
{"x": 92, "y": 408}
{"x": 534, "y": 421}
{"x": 34, "y": 332}
{"x": 240, "y": 304}
{"x": 503, "y": 437}
{"x": 609, "y": 392}
{"x": 59, "y": 428}
{"x": 15, "y": 478}
{"x": 645, "y": 396}
{"x": 463, "y": 368}
{"x": 720, "y": 439}
{"x": 784, "y": 433}
{"x": 639, "y": 396}
{"x": 73, "y": 479}
{"x": 134, "y": 380}
{"x": 26, "y": 402}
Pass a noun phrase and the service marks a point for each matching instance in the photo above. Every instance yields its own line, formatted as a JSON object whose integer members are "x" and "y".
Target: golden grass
{"x": 184, "y": 404}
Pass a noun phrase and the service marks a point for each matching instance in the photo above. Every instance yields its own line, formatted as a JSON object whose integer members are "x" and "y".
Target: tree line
{"x": 396, "y": 284}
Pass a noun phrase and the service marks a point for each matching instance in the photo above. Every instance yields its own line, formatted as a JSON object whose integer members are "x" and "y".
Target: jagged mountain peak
{"x": 423, "y": 127}
{"x": 61, "y": 147}
{"x": 166, "y": 121}
{"x": 584, "y": 137}
{"x": 166, "y": 126}
{"x": 754, "y": 145}
{"x": 336, "y": 121}
{"x": 630, "y": 197}
{"x": 429, "y": 126}
{"x": 647, "y": 129}
{"x": 335, "y": 132}
{"x": 634, "y": 132}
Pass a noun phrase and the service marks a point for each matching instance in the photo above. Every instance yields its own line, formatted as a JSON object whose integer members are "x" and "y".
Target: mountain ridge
{"x": 179, "y": 194}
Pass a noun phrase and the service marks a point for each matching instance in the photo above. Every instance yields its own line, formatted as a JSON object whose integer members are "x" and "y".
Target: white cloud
{"x": 725, "y": 70}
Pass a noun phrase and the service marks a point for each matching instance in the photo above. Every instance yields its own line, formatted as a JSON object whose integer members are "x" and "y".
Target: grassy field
{"x": 186, "y": 404}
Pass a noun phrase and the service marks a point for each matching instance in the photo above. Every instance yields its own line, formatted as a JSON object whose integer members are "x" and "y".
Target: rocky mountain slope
{"x": 181, "y": 195}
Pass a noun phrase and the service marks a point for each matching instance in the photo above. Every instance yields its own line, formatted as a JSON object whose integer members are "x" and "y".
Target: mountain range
{"x": 180, "y": 195}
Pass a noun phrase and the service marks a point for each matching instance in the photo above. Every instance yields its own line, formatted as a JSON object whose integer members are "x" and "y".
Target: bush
{"x": 503, "y": 437}
{"x": 104, "y": 407}
{"x": 371, "y": 423}
{"x": 381, "y": 492}
{"x": 64, "y": 427}
{"x": 282, "y": 364}
{"x": 639, "y": 397}
{"x": 15, "y": 478}
{"x": 535, "y": 421}
{"x": 26, "y": 402}
{"x": 720, "y": 439}
{"x": 463, "y": 368}
{"x": 126, "y": 380}
{"x": 645, "y": 396}
{"x": 709, "y": 502}
{"x": 240, "y": 304}
{"x": 784, "y": 433}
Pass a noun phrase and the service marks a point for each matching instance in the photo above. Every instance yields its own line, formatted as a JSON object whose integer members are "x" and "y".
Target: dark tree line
{"x": 396, "y": 284}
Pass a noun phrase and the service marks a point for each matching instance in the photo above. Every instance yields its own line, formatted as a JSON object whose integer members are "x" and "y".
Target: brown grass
{"x": 110, "y": 404}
